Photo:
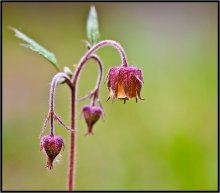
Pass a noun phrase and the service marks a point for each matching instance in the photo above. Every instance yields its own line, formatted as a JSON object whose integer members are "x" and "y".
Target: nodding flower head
{"x": 91, "y": 115}
{"x": 52, "y": 145}
{"x": 125, "y": 82}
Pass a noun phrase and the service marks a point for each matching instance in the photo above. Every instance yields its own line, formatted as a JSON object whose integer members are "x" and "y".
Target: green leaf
{"x": 34, "y": 46}
{"x": 68, "y": 71}
{"x": 92, "y": 26}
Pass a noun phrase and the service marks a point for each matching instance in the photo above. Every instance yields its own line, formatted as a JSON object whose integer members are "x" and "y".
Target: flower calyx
{"x": 91, "y": 115}
{"x": 52, "y": 145}
{"x": 125, "y": 82}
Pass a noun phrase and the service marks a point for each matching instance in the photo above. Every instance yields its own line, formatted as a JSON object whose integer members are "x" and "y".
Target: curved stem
{"x": 99, "y": 80}
{"x": 72, "y": 153}
{"x": 52, "y": 94}
{"x": 95, "y": 48}
{"x": 99, "y": 62}
{"x": 94, "y": 93}
{"x": 87, "y": 55}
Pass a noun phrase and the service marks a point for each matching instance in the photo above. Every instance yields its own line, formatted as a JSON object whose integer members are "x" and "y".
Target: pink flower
{"x": 52, "y": 146}
{"x": 125, "y": 82}
{"x": 91, "y": 115}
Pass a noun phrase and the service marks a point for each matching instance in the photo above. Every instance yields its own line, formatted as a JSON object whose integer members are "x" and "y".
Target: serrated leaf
{"x": 34, "y": 46}
{"x": 92, "y": 26}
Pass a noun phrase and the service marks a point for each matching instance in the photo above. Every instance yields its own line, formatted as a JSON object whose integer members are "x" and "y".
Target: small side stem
{"x": 51, "y": 126}
{"x": 95, "y": 91}
{"x": 52, "y": 96}
{"x": 99, "y": 80}
{"x": 99, "y": 62}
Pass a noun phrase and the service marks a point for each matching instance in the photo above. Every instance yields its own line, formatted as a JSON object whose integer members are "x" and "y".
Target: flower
{"x": 91, "y": 115}
{"x": 125, "y": 82}
{"x": 52, "y": 146}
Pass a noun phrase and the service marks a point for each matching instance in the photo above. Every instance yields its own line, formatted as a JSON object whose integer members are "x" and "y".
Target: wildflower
{"x": 52, "y": 146}
{"x": 125, "y": 83}
{"x": 91, "y": 115}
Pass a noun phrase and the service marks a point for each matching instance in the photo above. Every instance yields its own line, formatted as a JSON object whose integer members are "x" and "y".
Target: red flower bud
{"x": 52, "y": 145}
{"x": 125, "y": 82}
{"x": 91, "y": 115}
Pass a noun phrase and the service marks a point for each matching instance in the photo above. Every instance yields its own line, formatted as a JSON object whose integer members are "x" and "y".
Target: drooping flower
{"x": 91, "y": 114}
{"x": 125, "y": 82}
{"x": 52, "y": 145}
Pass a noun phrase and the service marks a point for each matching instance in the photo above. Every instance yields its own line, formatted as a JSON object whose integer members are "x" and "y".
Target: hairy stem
{"x": 87, "y": 55}
{"x": 94, "y": 93}
{"x": 51, "y": 126}
{"x": 54, "y": 82}
{"x": 73, "y": 104}
{"x": 95, "y": 48}
{"x": 99, "y": 62}
{"x": 72, "y": 153}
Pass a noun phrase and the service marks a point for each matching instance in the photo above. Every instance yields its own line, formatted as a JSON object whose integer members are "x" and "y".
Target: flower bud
{"x": 91, "y": 115}
{"x": 52, "y": 145}
{"x": 125, "y": 82}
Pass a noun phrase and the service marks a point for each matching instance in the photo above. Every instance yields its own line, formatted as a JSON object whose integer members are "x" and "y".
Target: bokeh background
{"x": 166, "y": 142}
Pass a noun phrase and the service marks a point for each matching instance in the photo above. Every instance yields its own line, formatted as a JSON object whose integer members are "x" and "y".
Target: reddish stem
{"x": 87, "y": 55}
{"x": 95, "y": 48}
{"x": 99, "y": 62}
{"x": 94, "y": 93}
{"x": 54, "y": 82}
{"x": 71, "y": 178}
{"x": 72, "y": 154}
{"x": 97, "y": 87}
{"x": 51, "y": 126}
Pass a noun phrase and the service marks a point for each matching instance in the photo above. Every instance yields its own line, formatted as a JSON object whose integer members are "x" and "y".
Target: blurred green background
{"x": 166, "y": 142}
